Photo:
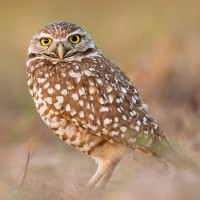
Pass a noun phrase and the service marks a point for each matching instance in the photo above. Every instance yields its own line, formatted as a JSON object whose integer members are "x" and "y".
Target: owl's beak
{"x": 61, "y": 51}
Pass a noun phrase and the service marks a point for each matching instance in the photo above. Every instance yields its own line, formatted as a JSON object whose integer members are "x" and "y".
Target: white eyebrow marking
{"x": 79, "y": 31}
{"x": 42, "y": 35}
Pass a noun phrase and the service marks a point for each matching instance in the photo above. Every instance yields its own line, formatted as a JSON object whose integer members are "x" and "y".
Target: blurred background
{"x": 156, "y": 43}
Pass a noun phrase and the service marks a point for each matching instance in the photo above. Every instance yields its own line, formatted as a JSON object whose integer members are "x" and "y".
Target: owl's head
{"x": 61, "y": 41}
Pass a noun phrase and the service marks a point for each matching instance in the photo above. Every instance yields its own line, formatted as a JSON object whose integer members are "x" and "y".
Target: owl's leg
{"x": 103, "y": 174}
{"x": 106, "y": 177}
{"x": 107, "y": 156}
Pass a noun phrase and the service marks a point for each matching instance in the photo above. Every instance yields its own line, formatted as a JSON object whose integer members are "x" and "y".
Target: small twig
{"x": 26, "y": 166}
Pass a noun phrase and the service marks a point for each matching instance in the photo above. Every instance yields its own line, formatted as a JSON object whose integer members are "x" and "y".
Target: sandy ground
{"x": 59, "y": 172}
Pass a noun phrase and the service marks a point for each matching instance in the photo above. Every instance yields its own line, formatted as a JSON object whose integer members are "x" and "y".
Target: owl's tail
{"x": 167, "y": 152}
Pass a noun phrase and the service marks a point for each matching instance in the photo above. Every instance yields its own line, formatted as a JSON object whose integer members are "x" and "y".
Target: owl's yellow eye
{"x": 45, "y": 41}
{"x": 75, "y": 39}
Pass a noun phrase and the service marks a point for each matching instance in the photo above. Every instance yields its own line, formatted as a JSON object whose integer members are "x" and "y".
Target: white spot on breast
{"x": 104, "y": 130}
{"x": 76, "y": 142}
{"x": 74, "y": 74}
{"x": 98, "y": 122}
{"x": 92, "y": 90}
{"x": 57, "y": 105}
{"x": 50, "y": 90}
{"x": 109, "y": 89}
{"x": 136, "y": 97}
{"x": 92, "y": 69}
{"x": 124, "y": 117}
{"x": 94, "y": 128}
{"x": 123, "y": 129}
{"x": 54, "y": 124}
{"x": 75, "y": 96}
{"x": 135, "y": 91}
{"x": 74, "y": 121}
{"x": 123, "y": 89}
{"x": 86, "y": 147}
{"x": 82, "y": 91}
{"x": 46, "y": 85}
{"x": 133, "y": 100}
{"x": 46, "y": 75}
{"x": 81, "y": 114}
{"x": 39, "y": 91}
{"x": 57, "y": 86}
{"x": 91, "y": 97}
{"x": 101, "y": 101}
{"x": 64, "y": 92}
{"x": 98, "y": 133}
{"x": 81, "y": 102}
{"x": 60, "y": 132}
{"x": 138, "y": 123}
{"x": 34, "y": 89}
{"x": 88, "y": 73}
{"x": 113, "y": 133}
{"x": 115, "y": 125}
{"x": 49, "y": 114}
{"x": 42, "y": 109}
{"x": 31, "y": 92}
{"x": 47, "y": 121}
{"x": 30, "y": 81}
{"x": 87, "y": 105}
{"x": 77, "y": 79}
{"x": 67, "y": 108}
{"x": 99, "y": 81}
{"x": 119, "y": 110}
{"x": 73, "y": 112}
{"x": 70, "y": 86}
{"x": 110, "y": 97}
{"x": 104, "y": 109}
{"x": 116, "y": 119}
{"x": 137, "y": 128}
{"x": 64, "y": 75}
{"x": 122, "y": 109}
{"x": 144, "y": 106}
{"x": 133, "y": 113}
{"x": 91, "y": 116}
{"x": 146, "y": 132}
{"x": 42, "y": 80}
{"x": 111, "y": 140}
{"x": 106, "y": 121}
{"x": 155, "y": 125}
{"x": 49, "y": 100}
{"x": 91, "y": 83}
{"x": 145, "y": 120}
{"x": 60, "y": 99}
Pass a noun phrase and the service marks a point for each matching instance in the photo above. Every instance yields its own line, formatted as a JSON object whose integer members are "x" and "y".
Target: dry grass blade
{"x": 26, "y": 166}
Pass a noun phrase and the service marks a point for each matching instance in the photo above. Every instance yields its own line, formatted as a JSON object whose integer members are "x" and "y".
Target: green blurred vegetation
{"x": 157, "y": 43}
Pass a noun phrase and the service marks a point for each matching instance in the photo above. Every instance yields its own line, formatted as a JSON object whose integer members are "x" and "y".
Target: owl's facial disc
{"x": 75, "y": 45}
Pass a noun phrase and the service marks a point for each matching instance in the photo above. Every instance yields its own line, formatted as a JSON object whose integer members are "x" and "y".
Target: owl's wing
{"x": 102, "y": 100}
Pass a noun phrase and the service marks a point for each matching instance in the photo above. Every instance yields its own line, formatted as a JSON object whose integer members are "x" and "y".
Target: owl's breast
{"x": 56, "y": 93}
{"x": 87, "y": 96}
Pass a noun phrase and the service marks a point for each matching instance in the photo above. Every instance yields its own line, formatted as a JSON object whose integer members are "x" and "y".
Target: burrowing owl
{"x": 88, "y": 101}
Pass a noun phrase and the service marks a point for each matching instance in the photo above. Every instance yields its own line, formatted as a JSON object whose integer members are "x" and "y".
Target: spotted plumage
{"x": 87, "y": 100}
